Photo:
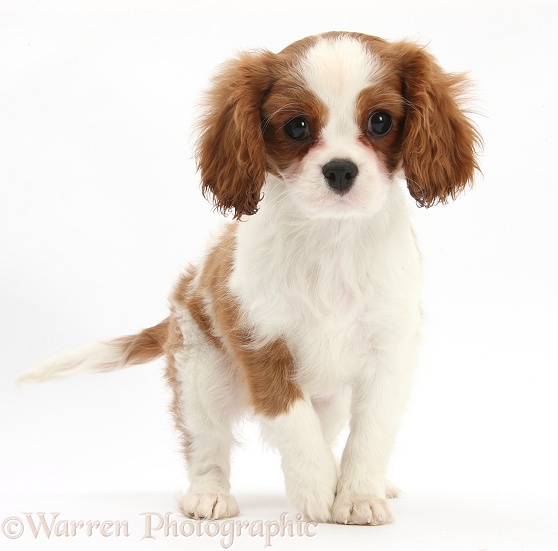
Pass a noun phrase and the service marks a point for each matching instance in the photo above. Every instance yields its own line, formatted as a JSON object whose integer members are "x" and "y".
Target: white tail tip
{"x": 101, "y": 356}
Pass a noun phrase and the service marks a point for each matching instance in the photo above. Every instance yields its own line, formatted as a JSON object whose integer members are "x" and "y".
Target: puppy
{"x": 305, "y": 310}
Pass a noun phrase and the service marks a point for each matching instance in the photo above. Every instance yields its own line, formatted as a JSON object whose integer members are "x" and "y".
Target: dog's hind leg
{"x": 206, "y": 403}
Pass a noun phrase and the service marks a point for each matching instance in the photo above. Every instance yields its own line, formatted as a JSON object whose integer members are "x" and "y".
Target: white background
{"x": 100, "y": 209}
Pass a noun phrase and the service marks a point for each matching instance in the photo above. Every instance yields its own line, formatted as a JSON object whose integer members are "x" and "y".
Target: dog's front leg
{"x": 377, "y": 406}
{"x": 307, "y": 461}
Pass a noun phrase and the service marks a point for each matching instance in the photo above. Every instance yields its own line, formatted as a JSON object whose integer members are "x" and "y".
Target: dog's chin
{"x": 340, "y": 211}
{"x": 334, "y": 206}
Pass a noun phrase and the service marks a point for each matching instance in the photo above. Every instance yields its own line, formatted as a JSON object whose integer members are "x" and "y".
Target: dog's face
{"x": 336, "y": 141}
{"x": 334, "y": 117}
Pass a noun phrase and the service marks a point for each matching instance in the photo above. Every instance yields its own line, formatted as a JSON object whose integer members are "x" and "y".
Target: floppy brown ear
{"x": 439, "y": 142}
{"x": 231, "y": 151}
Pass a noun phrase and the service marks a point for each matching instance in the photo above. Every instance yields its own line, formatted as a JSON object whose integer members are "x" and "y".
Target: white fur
{"x": 88, "y": 359}
{"x": 307, "y": 461}
{"x": 336, "y": 70}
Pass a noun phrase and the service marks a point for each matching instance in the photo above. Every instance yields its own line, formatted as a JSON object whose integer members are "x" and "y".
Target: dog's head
{"x": 334, "y": 117}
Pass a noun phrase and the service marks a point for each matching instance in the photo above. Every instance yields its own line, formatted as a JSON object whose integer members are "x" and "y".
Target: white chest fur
{"x": 337, "y": 290}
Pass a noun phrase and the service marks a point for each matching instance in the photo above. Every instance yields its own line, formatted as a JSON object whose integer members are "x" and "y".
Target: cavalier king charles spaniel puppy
{"x": 305, "y": 310}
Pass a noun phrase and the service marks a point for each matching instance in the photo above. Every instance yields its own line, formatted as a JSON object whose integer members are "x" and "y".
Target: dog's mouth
{"x": 330, "y": 204}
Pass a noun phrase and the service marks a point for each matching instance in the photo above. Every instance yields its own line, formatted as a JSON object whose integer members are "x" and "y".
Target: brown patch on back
{"x": 185, "y": 293}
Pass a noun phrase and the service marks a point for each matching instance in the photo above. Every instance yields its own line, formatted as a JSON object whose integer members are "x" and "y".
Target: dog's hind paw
{"x": 392, "y": 491}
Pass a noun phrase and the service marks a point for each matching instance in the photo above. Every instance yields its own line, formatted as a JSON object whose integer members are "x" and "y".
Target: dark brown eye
{"x": 297, "y": 129}
{"x": 379, "y": 124}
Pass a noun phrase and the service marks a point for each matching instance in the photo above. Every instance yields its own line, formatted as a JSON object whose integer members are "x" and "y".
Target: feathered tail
{"x": 137, "y": 349}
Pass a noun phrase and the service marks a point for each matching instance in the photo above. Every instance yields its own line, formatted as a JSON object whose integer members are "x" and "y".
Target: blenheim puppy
{"x": 305, "y": 310}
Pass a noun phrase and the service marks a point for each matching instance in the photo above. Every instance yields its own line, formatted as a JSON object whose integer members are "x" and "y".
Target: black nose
{"x": 340, "y": 175}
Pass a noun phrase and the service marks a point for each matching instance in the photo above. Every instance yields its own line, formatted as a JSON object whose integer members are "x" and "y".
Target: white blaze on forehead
{"x": 336, "y": 70}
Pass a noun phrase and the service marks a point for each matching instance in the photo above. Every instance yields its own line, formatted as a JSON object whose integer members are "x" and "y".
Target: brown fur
{"x": 231, "y": 153}
{"x": 268, "y": 370}
{"x": 384, "y": 97}
{"x": 185, "y": 293}
{"x": 439, "y": 141}
{"x": 285, "y": 101}
{"x": 145, "y": 346}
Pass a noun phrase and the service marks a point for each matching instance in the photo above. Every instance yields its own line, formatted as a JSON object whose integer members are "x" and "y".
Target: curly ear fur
{"x": 231, "y": 152}
{"x": 439, "y": 142}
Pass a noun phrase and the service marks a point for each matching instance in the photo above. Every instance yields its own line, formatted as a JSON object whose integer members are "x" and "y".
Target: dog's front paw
{"x": 358, "y": 509}
{"x": 313, "y": 494}
{"x": 208, "y": 505}
{"x": 316, "y": 506}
